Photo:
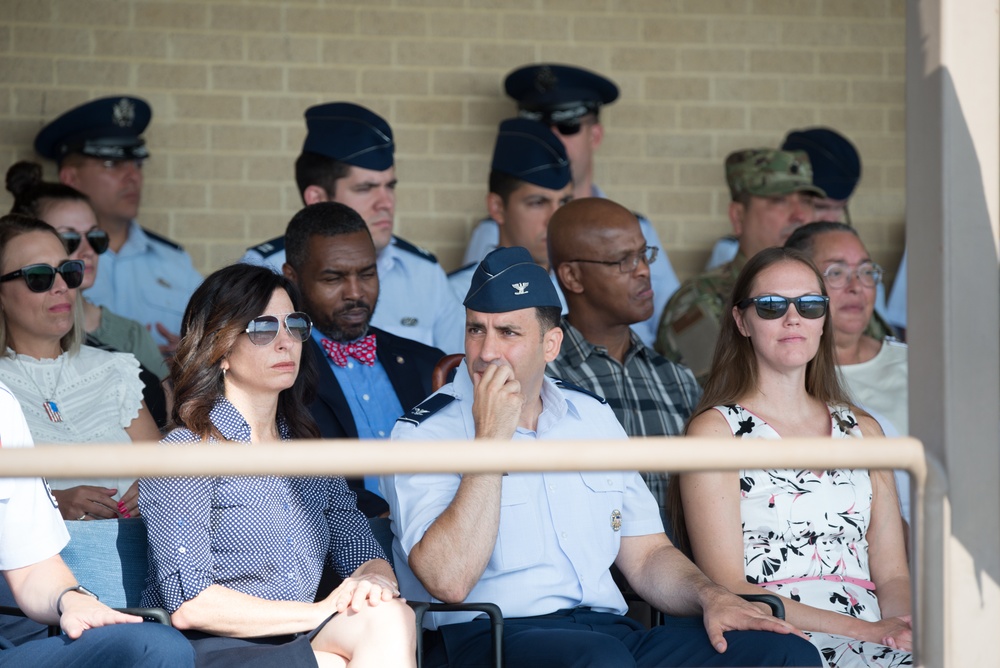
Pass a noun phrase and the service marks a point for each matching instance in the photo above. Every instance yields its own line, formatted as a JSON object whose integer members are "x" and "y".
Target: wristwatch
{"x": 80, "y": 588}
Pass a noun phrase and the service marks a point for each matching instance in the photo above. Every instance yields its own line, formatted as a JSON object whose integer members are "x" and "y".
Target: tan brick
{"x": 270, "y": 169}
{"x": 502, "y": 4}
{"x": 326, "y": 21}
{"x": 519, "y": 27}
{"x": 644, "y": 58}
{"x": 450, "y": 141}
{"x": 853, "y": 63}
{"x": 6, "y": 39}
{"x": 822, "y": 33}
{"x": 45, "y": 104}
{"x": 816, "y": 91}
{"x": 247, "y": 77}
{"x": 205, "y": 46}
{"x": 94, "y": 13}
{"x": 897, "y": 9}
{"x": 488, "y": 113}
{"x": 282, "y": 49}
{"x": 683, "y": 203}
{"x": 430, "y": 53}
{"x": 220, "y": 107}
{"x": 171, "y": 14}
{"x": 17, "y": 69}
{"x": 640, "y": 116}
{"x": 679, "y": 87}
{"x": 577, "y": 5}
{"x": 745, "y": 89}
{"x": 879, "y": 147}
{"x": 782, "y": 61}
{"x": 161, "y": 137}
{"x": 328, "y": 82}
{"x": 429, "y": 112}
{"x": 394, "y": 82}
{"x": 785, "y": 8}
{"x": 464, "y": 84}
{"x": 35, "y": 11}
{"x": 130, "y": 44}
{"x": 583, "y": 55}
{"x": 199, "y": 252}
{"x": 895, "y": 64}
{"x": 725, "y": 7}
{"x": 606, "y": 28}
{"x": 199, "y": 166}
{"x": 264, "y": 227}
{"x": 245, "y": 18}
{"x": 896, "y": 120}
{"x": 434, "y": 231}
{"x": 245, "y": 198}
{"x": 412, "y": 200}
{"x": 877, "y": 34}
{"x": 878, "y": 92}
{"x": 856, "y": 9}
{"x": 728, "y": 61}
{"x": 281, "y": 108}
{"x": 500, "y": 56}
{"x": 214, "y": 226}
{"x": 744, "y": 32}
{"x": 648, "y": 173}
{"x": 708, "y": 173}
{"x": 779, "y": 119}
{"x": 703, "y": 117}
{"x": 245, "y": 137}
{"x": 18, "y": 132}
{"x": 465, "y": 25}
{"x": 625, "y": 145}
{"x": 855, "y": 118}
{"x": 50, "y": 40}
{"x": 429, "y": 4}
{"x": 679, "y": 147}
{"x": 651, "y": 7}
{"x": 340, "y": 51}
{"x": 174, "y": 196}
{"x": 458, "y": 199}
{"x": 161, "y": 75}
{"x": 221, "y": 254}
{"x": 391, "y": 22}
{"x": 92, "y": 73}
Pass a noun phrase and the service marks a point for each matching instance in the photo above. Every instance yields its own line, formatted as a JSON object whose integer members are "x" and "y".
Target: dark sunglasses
{"x": 570, "y": 127}
{"x": 772, "y": 307}
{"x": 263, "y": 329}
{"x": 98, "y": 240}
{"x": 40, "y": 277}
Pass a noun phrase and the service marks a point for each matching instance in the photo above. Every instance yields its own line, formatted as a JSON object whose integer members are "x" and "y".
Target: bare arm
{"x": 143, "y": 429}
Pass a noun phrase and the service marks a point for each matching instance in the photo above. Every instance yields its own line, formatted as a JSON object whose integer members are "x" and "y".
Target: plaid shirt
{"x": 649, "y": 394}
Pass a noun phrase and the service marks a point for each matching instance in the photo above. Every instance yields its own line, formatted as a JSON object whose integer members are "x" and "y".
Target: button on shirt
{"x": 556, "y": 539}
{"x": 147, "y": 280}
{"x": 265, "y": 536}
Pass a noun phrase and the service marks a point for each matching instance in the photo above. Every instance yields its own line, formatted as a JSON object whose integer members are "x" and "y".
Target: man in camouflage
{"x": 772, "y": 194}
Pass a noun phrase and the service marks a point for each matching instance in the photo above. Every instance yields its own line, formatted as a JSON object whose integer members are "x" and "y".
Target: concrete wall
{"x": 229, "y": 80}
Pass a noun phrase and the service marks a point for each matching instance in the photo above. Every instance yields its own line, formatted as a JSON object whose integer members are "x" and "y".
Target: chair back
{"x": 108, "y": 557}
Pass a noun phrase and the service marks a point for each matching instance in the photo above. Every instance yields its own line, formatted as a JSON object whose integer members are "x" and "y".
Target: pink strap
{"x": 864, "y": 584}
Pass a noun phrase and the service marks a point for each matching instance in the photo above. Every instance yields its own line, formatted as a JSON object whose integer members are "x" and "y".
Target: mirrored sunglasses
{"x": 772, "y": 307}
{"x": 41, "y": 277}
{"x": 263, "y": 329}
{"x": 98, "y": 240}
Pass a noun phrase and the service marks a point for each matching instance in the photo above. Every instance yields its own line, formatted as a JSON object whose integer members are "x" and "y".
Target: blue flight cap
{"x": 107, "y": 128}
{"x": 529, "y": 151}
{"x": 509, "y": 280}
{"x": 556, "y": 94}
{"x": 835, "y": 162}
{"x": 349, "y": 133}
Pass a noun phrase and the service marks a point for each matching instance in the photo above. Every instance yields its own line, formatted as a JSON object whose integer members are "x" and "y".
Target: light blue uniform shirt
{"x": 371, "y": 398}
{"x": 149, "y": 280}
{"x": 559, "y": 532}
{"x": 414, "y": 299}
{"x": 662, "y": 277}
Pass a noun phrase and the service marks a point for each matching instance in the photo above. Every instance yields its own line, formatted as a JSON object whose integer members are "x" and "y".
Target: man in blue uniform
{"x": 568, "y": 100}
{"x": 100, "y": 152}
{"x": 347, "y": 157}
{"x": 540, "y": 545}
{"x": 367, "y": 377}
{"x": 529, "y": 180}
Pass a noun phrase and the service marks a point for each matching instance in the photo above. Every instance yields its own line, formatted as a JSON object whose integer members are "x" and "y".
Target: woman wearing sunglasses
{"x": 243, "y": 586}
{"x": 830, "y": 542}
{"x": 69, "y": 393}
{"x": 69, "y": 211}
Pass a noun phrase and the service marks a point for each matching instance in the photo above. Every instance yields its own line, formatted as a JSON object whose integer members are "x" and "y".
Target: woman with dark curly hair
{"x": 237, "y": 559}
{"x": 827, "y": 541}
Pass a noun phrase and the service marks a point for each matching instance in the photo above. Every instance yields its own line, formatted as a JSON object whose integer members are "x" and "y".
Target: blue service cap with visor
{"x": 509, "y": 280}
{"x": 836, "y": 164}
{"x": 108, "y": 128}
{"x": 349, "y": 133}
{"x": 554, "y": 94}
{"x": 528, "y": 151}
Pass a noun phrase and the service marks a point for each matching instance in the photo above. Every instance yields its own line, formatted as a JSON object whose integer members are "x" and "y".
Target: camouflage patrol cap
{"x": 765, "y": 172}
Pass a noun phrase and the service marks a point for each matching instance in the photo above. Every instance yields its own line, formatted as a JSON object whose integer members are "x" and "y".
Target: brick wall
{"x": 229, "y": 80}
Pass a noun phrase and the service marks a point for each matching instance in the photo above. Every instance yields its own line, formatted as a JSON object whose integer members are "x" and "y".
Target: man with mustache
{"x": 601, "y": 259}
{"x": 367, "y": 377}
{"x": 540, "y": 545}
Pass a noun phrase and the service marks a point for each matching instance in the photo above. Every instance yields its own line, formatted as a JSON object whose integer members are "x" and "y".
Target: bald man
{"x": 601, "y": 260}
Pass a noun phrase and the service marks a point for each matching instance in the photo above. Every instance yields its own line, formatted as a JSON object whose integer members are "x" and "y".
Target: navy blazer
{"x": 409, "y": 365}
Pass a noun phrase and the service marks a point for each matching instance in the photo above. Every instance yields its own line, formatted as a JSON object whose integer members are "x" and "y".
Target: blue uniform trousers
{"x": 583, "y": 638}
{"x": 149, "y": 645}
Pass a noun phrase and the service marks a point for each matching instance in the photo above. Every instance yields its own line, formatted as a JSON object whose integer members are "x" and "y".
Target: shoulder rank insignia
{"x": 161, "y": 239}
{"x": 426, "y": 408}
{"x": 562, "y": 384}
{"x": 402, "y": 244}
{"x": 269, "y": 248}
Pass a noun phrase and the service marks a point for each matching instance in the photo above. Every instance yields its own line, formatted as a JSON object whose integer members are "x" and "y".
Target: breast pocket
{"x": 604, "y": 505}
{"x": 519, "y": 541}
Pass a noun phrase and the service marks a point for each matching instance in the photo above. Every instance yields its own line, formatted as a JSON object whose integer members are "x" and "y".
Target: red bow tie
{"x": 362, "y": 350}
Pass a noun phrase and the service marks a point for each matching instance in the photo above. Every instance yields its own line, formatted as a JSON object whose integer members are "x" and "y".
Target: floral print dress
{"x": 804, "y": 538}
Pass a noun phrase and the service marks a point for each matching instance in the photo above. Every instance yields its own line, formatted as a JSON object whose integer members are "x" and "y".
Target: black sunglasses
{"x": 772, "y": 307}
{"x": 263, "y": 329}
{"x": 40, "y": 277}
{"x": 98, "y": 240}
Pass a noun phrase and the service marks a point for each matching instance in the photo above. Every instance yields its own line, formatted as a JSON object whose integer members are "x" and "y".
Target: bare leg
{"x": 381, "y": 635}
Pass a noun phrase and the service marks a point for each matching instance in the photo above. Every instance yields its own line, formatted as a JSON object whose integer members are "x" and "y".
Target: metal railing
{"x": 354, "y": 458}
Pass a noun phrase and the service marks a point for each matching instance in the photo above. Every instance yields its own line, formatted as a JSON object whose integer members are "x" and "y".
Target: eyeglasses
{"x": 98, "y": 240}
{"x": 570, "y": 127}
{"x": 40, "y": 277}
{"x": 264, "y": 329}
{"x": 628, "y": 264}
{"x": 838, "y": 274}
{"x": 772, "y": 307}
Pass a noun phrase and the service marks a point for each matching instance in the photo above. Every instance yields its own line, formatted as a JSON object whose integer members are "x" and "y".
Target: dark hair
{"x": 215, "y": 317}
{"x": 12, "y": 226}
{"x": 24, "y": 182}
{"x": 804, "y": 237}
{"x": 313, "y": 169}
{"x": 548, "y": 317}
{"x": 504, "y": 184}
{"x": 325, "y": 219}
